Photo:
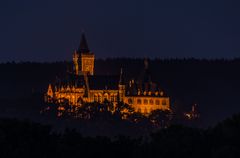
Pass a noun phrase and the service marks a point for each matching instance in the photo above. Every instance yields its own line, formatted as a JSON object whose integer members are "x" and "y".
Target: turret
{"x": 48, "y": 97}
{"x": 75, "y": 63}
{"x": 147, "y": 74}
{"x": 121, "y": 86}
{"x": 50, "y": 91}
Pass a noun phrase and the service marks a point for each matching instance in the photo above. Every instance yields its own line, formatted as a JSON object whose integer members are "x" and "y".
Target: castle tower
{"x": 48, "y": 97}
{"x": 87, "y": 57}
{"x": 121, "y": 87}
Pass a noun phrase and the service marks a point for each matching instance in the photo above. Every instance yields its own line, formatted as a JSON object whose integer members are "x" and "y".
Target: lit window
{"x": 164, "y": 102}
{"x": 145, "y": 101}
{"x": 161, "y": 93}
{"x": 130, "y": 101}
{"x": 151, "y": 101}
{"x": 112, "y": 98}
{"x": 95, "y": 98}
{"x": 157, "y": 102}
{"x": 115, "y": 98}
{"x": 105, "y": 97}
{"x": 99, "y": 98}
{"x": 139, "y": 101}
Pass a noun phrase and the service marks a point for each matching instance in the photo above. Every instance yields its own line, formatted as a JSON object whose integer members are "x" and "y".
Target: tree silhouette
{"x": 160, "y": 118}
{"x": 123, "y": 110}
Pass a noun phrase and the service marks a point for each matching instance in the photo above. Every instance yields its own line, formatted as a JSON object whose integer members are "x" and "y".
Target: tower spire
{"x": 121, "y": 87}
{"x": 145, "y": 63}
{"x": 83, "y": 47}
{"x": 147, "y": 74}
{"x": 50, "y": 91}
{"x": 121, "y": 77}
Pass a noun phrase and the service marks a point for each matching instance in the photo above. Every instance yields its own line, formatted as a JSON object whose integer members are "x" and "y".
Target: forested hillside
{"x": 212, "y": 84}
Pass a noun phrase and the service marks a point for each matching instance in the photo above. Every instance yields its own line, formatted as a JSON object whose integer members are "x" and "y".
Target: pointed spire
{"x": 83, "y": 47}
{"x": 147, "y": 74}
{"x": 121, "y": 82}
{"x": 50, "y": 90}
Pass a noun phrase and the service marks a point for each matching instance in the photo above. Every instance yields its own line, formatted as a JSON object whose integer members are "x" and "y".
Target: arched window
{"x": 157, "y": 102}
{"x": 68, "y": 98}
{"x": 95, "y": 98}
{"x": 151, "y": 101}
{"x": 112, "y": 98}
{"x": 164, "y": 102}
{"x": 139, "y": 101}
{"x": 99, "y": 98}
{"x": 72, "y": 98}
{"x": 115, "y": 98}
{"x": 145, "y": 101}
{"x": 105, "y": 97}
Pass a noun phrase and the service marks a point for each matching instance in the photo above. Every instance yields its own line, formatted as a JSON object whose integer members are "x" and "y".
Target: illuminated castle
{"x": 83, "y": 86}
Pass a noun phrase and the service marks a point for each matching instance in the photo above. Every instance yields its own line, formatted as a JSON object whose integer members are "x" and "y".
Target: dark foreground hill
{"x": 212, "y": 84}
{"x": 27, "y": 139}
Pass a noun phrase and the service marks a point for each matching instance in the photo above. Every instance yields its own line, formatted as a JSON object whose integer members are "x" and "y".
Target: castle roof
{"x": 143, "y": 84}
{"x": 96, "y": 82}
{"x": 71, "y": 80}
{"x": 103, "y": 82}
{"x": 83, "y": 46}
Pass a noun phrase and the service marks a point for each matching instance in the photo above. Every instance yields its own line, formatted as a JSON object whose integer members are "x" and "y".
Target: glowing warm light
{"x": 143, "y": 101}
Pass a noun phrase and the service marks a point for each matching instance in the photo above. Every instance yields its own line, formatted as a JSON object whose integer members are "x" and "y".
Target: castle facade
{"x": 83, "y": 86}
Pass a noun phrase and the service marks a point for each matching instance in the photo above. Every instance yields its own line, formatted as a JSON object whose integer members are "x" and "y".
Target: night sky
{"x": 49, "y": 30}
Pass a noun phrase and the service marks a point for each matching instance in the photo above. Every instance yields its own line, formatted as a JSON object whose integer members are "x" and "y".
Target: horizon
{"x": 132, "y": 58}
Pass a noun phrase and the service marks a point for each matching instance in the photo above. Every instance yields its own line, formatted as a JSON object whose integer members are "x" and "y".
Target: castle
{"x": 82, "y": 86}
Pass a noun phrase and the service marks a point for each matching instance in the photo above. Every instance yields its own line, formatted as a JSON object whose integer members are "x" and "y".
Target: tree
{"x": 123, "y": 110}
{"x": 160, "y": 118}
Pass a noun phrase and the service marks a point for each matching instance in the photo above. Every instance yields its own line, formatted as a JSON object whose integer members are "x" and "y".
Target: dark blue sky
{"x": 49, "y": 30}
